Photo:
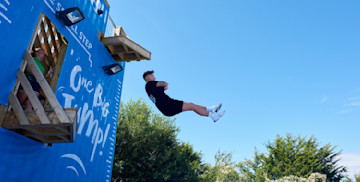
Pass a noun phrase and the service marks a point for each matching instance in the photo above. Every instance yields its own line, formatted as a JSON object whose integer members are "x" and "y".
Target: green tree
{"x": 223, "y": 170}
{"x": 251, "y": 170}
{"x": 296, "y": 156}
{"x": 357, "y": 177}
{"x": 147, "y": 149}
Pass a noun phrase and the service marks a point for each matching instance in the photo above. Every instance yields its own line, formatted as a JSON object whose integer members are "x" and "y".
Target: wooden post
{"x": 46, "y": 88}
{"x": 2, "y": 113}
{"x": 19, "y": 112}
{"x": 52, "y": 35}
{"x": 32, "y": 96}
{"x": 48, "y": 48}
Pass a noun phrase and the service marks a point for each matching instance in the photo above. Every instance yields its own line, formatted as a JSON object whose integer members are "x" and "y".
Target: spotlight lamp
{"x": 113, "y": 68}
{"x": 70, "y": 16}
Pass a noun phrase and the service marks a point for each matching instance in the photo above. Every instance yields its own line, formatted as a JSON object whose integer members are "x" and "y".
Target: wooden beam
{"x": 52, "y": 34}
{"x": 107, "y": 3}
{"x": 48, "y": 48}
{"x": 32, "y": 97}
{"x": 125, "y": 48}
{"x": 100, "y": 36}
{"x": 49, "y": 131}
{"x": 117, "y": 40}
{"x": 116, "y": 49}
{"x": 56, "y": 74}
{"x": 121, "y": 55}
{"x": 119, "y": 31}
{"x": 11, "y": 121}
{"x": 138, "y": 56}
{"x": 46, "y": 89}
{"x": 37, "y": 42}
{"x": 3, "y": 109}
{"x": 19, "y": 112}
{"x": 59, "y": 63}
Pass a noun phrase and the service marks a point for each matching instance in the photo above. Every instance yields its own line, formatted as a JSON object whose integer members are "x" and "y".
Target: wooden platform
{"x": 122, "y": 48}
{"x": 52, "y": 126}
{"x": 55, "y": 132}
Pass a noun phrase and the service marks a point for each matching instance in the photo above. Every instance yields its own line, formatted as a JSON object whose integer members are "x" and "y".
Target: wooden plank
{"x": 50, "y": 26}
{"x": 34, "y": 120}
{"x": 3, "y": 110}
{"x": 136, "y": 47}
{"x": 37, "y": 42}
{"x": 116, "y": 49}
{"x": 59, "y": 63}
{"x": 46, "y": 43}
{"x": 47, "y": 139}
{"x": 121, "y": 55}
{"x": 125, "y": 48}
{"x": 129, "y": 43}
{"x": 47, "y": 131}
{"x": 100, "y": 36}
{"x": 107, "y": 4}
{"x": 138, "y": 56}
{"x": 19, "y": 112}
{"x": 32, "y": 97}
{"x": 56, "y": 74}
{"x": 119, "y": 31}
{"x": 46, "y": 89}
{"x": 43, "y": 138}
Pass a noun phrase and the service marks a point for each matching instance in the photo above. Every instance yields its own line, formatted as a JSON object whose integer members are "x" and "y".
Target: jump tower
{"x": 70, "y": 133}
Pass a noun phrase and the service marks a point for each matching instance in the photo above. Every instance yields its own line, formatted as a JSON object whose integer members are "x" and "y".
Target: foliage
{"x": 147, "y": 149}
{"x": 223, "y": 170}
{"x": 294, "y": 156}
{"x": 356, "y": 176}
{"x": 314, "y": 177}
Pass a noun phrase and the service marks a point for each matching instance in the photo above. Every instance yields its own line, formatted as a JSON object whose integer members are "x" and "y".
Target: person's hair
{"x": 36, "y": 50}
{"x": 147, "y": 73}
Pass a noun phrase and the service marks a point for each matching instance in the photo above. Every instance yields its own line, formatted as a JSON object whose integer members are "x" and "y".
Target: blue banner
{"x": 82, "y": 84}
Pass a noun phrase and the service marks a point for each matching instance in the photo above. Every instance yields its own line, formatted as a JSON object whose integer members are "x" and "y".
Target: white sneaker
{"x": 216, "y": 115}
{"x": 215, "y": 108}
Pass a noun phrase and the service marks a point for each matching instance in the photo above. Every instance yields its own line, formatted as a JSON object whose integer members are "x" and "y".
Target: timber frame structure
{"x": 121, "y": 48}
{"x": 51, "y": 126}
{"x": 48, "y": 122}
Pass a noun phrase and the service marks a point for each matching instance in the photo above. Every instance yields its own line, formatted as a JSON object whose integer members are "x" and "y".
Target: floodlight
{"x": 70, "y": 16}
{"x": 113, "y": 68}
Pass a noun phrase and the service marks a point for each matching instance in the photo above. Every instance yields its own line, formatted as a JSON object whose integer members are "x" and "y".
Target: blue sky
{"x": 277, "y": 66}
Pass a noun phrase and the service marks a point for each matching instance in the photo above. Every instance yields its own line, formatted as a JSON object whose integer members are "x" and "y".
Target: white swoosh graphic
{"x": 75, "y": 158}
{"x": 73, "y": 168}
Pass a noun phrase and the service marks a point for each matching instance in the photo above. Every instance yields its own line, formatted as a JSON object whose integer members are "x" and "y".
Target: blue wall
{"x": 82, "y": 84}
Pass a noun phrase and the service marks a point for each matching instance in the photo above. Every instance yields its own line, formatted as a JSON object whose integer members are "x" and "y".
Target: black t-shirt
{"x": 157, "y": 95}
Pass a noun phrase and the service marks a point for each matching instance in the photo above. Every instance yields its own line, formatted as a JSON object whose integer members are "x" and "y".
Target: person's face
{"x": 150, "y": 77}
{"x": 40, "y": 54}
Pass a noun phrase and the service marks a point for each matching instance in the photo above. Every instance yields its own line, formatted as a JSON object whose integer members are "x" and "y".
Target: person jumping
{"x": 171, "y": 107}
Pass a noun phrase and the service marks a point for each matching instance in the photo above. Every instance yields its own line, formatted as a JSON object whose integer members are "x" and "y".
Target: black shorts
{"x": 171, "y": 107}
{"x": 34, "y": 84}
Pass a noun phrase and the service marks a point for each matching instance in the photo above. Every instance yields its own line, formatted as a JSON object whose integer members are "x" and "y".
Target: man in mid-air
{"x": 171, "y": 107}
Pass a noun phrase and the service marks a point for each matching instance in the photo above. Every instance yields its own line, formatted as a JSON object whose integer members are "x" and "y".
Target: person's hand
{"x": 51, "y": 71}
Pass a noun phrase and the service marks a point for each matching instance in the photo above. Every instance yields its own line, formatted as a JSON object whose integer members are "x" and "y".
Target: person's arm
{"x": 162, "y": 84}
{"x": 49, "y": 73}
{"x": 28, "y": 69}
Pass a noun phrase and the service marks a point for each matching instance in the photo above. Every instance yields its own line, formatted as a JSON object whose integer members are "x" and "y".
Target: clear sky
{"x": 277, "y": 66}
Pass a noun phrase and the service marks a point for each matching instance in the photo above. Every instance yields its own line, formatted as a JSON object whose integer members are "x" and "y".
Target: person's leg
{"x": 28, "y": 103}
{"x": 201, "y": 110}
{"x": 21, "y": 95}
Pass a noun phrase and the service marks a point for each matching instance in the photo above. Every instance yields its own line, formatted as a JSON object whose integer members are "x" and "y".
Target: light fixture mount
{"x": 113, "y": 69}
{"x": 70, "y": 16}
